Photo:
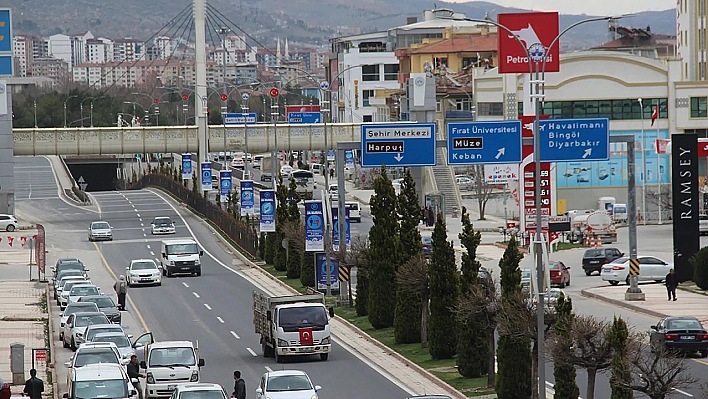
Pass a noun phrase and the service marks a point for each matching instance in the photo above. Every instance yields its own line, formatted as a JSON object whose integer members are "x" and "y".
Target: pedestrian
{"x": 239, "y": 386}
{"x": 121, "y": 289}
{"x": 134, "y": 374}
{"x": 34, "y": 386}
{"x": 671, "y": 284}
{"x": 331, "y": 173}
{"x": 5, "y": 391}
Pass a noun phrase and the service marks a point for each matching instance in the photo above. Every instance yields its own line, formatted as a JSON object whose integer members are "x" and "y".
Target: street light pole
{"x": 644, "y": 165}
{"x": 224, "y": 106}
{"x": 35, "y": 113}
{"x": 65, "y": 101}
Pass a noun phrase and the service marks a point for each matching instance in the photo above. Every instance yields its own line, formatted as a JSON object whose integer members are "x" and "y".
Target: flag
{"x": 306, "y": 336}
{"x": 655, "y": 114}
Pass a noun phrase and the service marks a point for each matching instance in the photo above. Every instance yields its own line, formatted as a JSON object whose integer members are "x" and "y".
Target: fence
{"x": 241, "y": 234}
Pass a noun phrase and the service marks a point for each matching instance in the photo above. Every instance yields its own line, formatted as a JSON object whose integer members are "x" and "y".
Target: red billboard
{"x": 40, "y": 248}
{"x": 528, "y": 179}
{"x": 536, "y": 30}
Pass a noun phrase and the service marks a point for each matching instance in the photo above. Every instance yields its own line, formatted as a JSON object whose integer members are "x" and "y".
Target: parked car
{"x": 292, "y": 384}
{"x": 560, "y": 274}
{"x": 427, "y": 245}
{"x": 95, "y": 329}
{"x": 8, "y": 223}
{"x": 119, "y": 339}
{"x": 69, "y": 263}
{"x": 88, "y": 354}
{"x": 594, "y": 258}
{"x": 682, "y": 334}
{"x": 105, "y": 304}
{"x": 99, "y": 381}
{"x": 76, "y": 325}
{"x": 650, "y": 268}
{"x": 702, "y": 224}
{"x": 63, "y": 274}
{"x": 465, "y": 183}
{"x": 79, "y": 290}
{"x": 201, "y": 390}
{"x": 63, "y": 297}
{"x": 100, "y": 231}
{"x": 75, "y": 308}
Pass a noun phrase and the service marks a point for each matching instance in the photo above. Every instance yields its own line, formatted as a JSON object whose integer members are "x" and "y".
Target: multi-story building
{"x": 164, "y": 47}
{"x": 640, "y": 41}
{"x": 78, "y": 47}
{"x": 99, "y": 51}
{"x": 268, "y": 57}
{"x": 54, "y": 68}
{"x": 22, "y": 55}
{"x": 60, "y": 47}
{"x": 40, "y": 47}
{"x": 691, "y": 38}
{"x": 234, "y": 56}
{"x": 128, "y": 49}
{"x": 236, "y": 42}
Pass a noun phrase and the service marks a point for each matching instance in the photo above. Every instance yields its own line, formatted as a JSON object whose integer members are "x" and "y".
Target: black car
{"x": 682, "y": 334}
{"x": 594, "y": 258}
{"x": 105, "y": 305}
{"x": 69, "y": 263}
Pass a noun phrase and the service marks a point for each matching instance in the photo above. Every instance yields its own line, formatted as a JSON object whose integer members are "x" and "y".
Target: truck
{"x": 292, "y": 325}
{"x": 267, "y": 168}
{"x": 579, "y": 228}
{"x": 168, "y": 364}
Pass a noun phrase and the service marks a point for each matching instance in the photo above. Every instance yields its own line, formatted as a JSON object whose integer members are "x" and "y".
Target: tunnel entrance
{"x": 98, "y": 176}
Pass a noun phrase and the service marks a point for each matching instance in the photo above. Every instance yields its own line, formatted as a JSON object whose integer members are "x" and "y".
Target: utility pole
{"x": 200, "y": 89}
{"x": 224, "y": 106}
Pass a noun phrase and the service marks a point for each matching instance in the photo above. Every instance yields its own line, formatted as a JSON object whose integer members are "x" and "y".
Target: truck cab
{"x": 168, "y": 364}
{"x": 181, "y": 257}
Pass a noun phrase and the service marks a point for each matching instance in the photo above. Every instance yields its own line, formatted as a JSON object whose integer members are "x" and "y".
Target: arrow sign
{"x": 398, "y": 157}
{"x": 324, "y": 85}
{"x": 473, "y": 143}
{"x": 245, "y": 96}
{"x": 500, "y": 152}
{"x": 569, "y": 140}
{"x": 81, "y": 180}
{"x": 587, "y": 153}
{"x": 389, "y": 144}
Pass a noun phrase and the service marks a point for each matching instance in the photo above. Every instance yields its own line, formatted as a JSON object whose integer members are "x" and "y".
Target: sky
{"x": 594, "y": 7}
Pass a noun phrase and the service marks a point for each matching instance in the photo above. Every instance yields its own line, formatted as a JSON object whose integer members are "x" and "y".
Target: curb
{"x": 622, "y": 304}
{"x": 52, "y": 365}
{"x": 26, "y": 227}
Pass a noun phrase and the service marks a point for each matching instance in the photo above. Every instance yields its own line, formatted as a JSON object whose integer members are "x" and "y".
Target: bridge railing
{"x": 238, "y": 232}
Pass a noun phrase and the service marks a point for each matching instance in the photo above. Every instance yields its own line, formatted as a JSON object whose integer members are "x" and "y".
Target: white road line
{"x": 185, "y": 284}
{"x": 148, "y": 246}
{"x": 683, "y": 392}
{"x": 270, "y": 370}
{"x": 142, "y": 225}
{"x": 158, "y": 262}
{"x": 141, "y": 219}
{"x": 131, "y": 204}
{"x": 220, "y": 319}
{"x": 138, "y": 213}
{"x": 195, "y": 294}
{"x": 235, "y": 335}
{"x": 152, "y": 253}
{"x": 206, "y": 305}
{"x": 145, "y": 235}
{"x": 251, "y": 352}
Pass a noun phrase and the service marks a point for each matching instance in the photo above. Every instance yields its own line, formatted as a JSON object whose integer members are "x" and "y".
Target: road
{"x": 214, "y": 309}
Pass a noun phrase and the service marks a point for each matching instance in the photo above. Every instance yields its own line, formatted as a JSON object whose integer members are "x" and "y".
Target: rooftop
{"x": 464, "y": 44}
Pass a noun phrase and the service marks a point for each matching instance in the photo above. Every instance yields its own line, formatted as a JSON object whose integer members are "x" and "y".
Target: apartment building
{"x": 128, "y": 49}
{"x": 54, "y": 68}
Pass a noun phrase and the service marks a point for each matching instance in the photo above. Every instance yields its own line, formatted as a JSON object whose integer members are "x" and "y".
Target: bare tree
{"x": 482, "y": 189}
{"x": 657, "y": 374}
{"x": 414, "y": 276}
{"x": 663, "y": 200}
{"x": 356, "y": 256}
{"x": 483, "y": 301}
{"x": 294, "y": 232}
{"x": 586, "y": 347}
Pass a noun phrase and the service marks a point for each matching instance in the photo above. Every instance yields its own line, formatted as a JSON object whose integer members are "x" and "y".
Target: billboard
{"x": 536, "y": 30}
{"x": 684, "y": 163}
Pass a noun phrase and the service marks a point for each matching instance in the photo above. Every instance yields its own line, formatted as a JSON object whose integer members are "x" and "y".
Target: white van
{"x": 317, "y": 168}
{"x": 168, "y": 364}
{"x": 180, "y": 257}
{"x": 619, "y": 213}
{"x": 354, "y": 210}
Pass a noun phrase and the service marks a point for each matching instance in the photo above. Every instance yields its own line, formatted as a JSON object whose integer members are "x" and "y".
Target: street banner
{"x": 321, "y": 272}
{"x": 247, "y": 198}
{"x": 206, "y": 176}
{"x": 186, "y": 166}
{"x": 335, "y": 227}
{"x": 267, "y": 207}
{"x": 225, "y": 184}
{"x": 314, "y": 226}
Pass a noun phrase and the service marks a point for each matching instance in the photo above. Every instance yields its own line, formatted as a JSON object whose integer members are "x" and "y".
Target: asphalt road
{"x": 214, "y": 309}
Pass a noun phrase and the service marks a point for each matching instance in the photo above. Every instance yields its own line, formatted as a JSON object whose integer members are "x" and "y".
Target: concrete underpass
{"x": 98, "y": 174}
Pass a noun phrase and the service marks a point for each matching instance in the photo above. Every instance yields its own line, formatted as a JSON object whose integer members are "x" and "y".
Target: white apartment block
{"x": 691, "y": 38}
{"x": 22, "y": 54}
{"x": 60, "y": 47}
{"x": 128, "y": 49}
{"x": 78, "y": 47}
{"x": 138, "y": 73}
{"x": 234, "y": 56}
{"x": 164, "y": 47}
{"x": 236, "y": 42}
{"x": 99, "y": 51}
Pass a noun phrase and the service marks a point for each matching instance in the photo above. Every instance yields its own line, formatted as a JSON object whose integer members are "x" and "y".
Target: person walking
{"x": 34, "y": 386}
{"x": 671, "y": 284}
{"x": 239, "y": 386}
{"x": 134, "y": 373}
{"x": 121, "y": 289}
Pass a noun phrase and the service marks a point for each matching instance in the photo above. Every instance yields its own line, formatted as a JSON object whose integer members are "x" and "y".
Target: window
{"x": 365, "y": 95}
{"x": 370, "y": 73}
{"x": 490, "y": 109}
{"x": 463, "y": 104}
{"x": 438, "y": 106}
{"x": 699, "y": 107}
{"x": 624, "y": 109}
{"x": 391, "y": 71}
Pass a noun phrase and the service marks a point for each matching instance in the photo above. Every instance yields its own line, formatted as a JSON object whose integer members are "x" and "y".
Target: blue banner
{"x": 225, "y": 184}
{"x": 349, "y": 159}
{"x": 314, "y": 226}
{"x": 186, "y": 166}
{"x": 206, "y": 176}
{"x": 330, "y": 155}
{"x": 335, "y": 226}
{"x": 321, "y": 272}
{"x": 248, "y": 200}
{"x": 267, "y": 207}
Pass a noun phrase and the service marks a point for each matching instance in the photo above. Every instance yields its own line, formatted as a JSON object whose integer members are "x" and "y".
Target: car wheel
{"x": 64, "y": 344}
{"x": 199, "y": 272}
{"x": 704, "y": 353}
{"x": 588, "y": 272}
{"x": 614, "y": 282}
{"x": 568, "y": 283}
{"x": 324, "y": 356}
{"x": 265, "y": 349}
{"x": 61, "y": 335}
{"x": 90, "y": 239}
{"x": 11, "y": 228}
{"x": 159, "y": 284}
{"x": 73, "y": 344}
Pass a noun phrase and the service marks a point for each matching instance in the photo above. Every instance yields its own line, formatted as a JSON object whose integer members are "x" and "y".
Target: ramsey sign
{"x": 536, "y": 30}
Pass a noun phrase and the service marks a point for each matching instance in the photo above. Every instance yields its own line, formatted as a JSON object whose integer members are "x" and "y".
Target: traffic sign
{"x": 470, "y": 143}
{"x": 324, "y": 85}
{"x": 274, "y": 92}
{"x": 304, "y": 117}
{"x": 572, "y": 140}
{"x": 5, "y": 31}
{"x": 156, "y": 100}
{"x": 398, "y": 144}
{"x": 245, "y": 96}
{"x": 224, "y": 97}
{"x": 185, "y": 97}
{"x": 237, "y": 118}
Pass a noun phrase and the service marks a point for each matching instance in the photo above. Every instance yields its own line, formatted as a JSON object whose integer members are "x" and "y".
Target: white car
{"x": 162, "y": 225}
{"x": 95, "y": 329}
{"x": 238, "y": 163}
{"x": 64, "y": 281}
{"x": 119, "y": 339}
{"x": 200, "y": 390}
{"x": 286, "y": 384}
{"x": 8, "y": 223}
{"x": 99, "y": 381}
{"x": 143, "y": 271}
{"x": 100, "y": 231}
{"x": 76, "y": 324}
{"x": 651, "y": 268}
{"x": 63, "y": 298}
{"x": 79, "y": 290}
{"x": 354, "y": 210}
{"x": 75, "y": 308}
{"x": 88, "y": 354}
{"x": 333, "y": 191}
{"x": 286, "y": 170}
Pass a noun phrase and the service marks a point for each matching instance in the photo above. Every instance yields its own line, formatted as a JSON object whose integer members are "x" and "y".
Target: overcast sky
{"x": 595, "y": 7}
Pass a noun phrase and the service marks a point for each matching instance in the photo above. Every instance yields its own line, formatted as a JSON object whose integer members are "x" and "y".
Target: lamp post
{"x": 81, "y": 109}
{"x": 644, "y": 166}
{"x": 92, "y": 100}
{"x": 65, "y": 101}
{"x": 224, "y": 104}
{"x": 34, "y": 102}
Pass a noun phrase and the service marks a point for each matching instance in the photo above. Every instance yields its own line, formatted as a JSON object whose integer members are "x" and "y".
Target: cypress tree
{"x": 513, "y": 354}
{"x": 307, "y": 269}
{"x": 361, "y": 303}
{"x": 269, "y": 255}
{"x": 620, "y": 368}
{"x": 444, "y": 288}
{"x": 564, "y": 374}
{"x": 281, "y": 217}
{"x": 294, "y": 257}
{"x": 472, "y": 345}
{"x": 406, "y": 323}
{"x": 261, "y": 245}
{"x": 383, "y": 253}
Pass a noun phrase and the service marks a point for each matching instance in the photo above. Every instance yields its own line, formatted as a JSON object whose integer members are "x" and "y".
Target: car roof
{"x": 87, "y": 346}
{"x": 177, "y": 242}
{"x": 102, "y": 326}
{"x": 109, "y": 334}
{"x": 681, "y": 318}
{"x": 141, "y": 260}
{"x": 201, "y": 386}
{"x": 172, "y": 344}
{"x": 84, "y": 285}
{"x": 286, "y": 372}
{"x": 98, "y": 221}
{"x": 81, "y": 305}
{"x": 100, "y": 371}
{"x": 69, "y": 278}
{"x": 77, "y": 314}
{"x": 86, "y": 297}
{"x": 67, "y": 260}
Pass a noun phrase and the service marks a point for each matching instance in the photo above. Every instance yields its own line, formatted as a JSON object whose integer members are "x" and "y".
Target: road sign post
{"x": 398, "y": 145}
{"x": 304, "y": 117}
{"x": 575, "y": 140}
{"x": 470, "y": 143}
{"x": 237, "y": 118}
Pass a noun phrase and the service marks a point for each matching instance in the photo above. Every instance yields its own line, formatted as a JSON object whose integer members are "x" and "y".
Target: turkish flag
{"x": 655, "y": 114}
{"x": 306, "y": 336}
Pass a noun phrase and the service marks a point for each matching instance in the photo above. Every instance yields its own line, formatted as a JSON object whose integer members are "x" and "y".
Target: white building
{"x": 99, "y": 50}
{"x": 60, "y": 47}
{"x": 22, "y": 54}
{"x": 691, "y": 38}
{"x": 165, "y": 47}
{"x": 236, "y": 42}
{"x": 128, "y": 49}
{"x": 78, "y": 47}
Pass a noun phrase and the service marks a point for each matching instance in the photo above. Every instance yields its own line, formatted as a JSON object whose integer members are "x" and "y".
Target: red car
{"x": 560, "y": 275}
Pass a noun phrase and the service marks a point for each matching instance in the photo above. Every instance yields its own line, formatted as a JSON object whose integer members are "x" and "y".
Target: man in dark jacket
{"x": 239, "y": 386}
{"x": 671, "y": 284}
{"x": 34, "y": 386}
{"x": 134, "y": 372}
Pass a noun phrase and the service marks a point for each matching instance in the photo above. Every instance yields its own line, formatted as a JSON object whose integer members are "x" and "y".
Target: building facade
{"x": 54, "y": 68}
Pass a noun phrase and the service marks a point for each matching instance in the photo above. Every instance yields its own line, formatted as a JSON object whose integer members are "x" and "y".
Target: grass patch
{"x": 690, "y": 286}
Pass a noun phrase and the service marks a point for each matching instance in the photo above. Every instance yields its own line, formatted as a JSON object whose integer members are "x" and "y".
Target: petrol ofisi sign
{"x": 536, "y": 30}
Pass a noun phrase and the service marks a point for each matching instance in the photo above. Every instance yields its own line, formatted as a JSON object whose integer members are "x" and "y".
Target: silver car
{"x": 75, "y": 308}
{"x": 63, "y": 298}
{"x": 125, "y": 347}
{"x": 143, "y": 271}
{"x": 76, "y": 325}
{"x": 100, "y": 231}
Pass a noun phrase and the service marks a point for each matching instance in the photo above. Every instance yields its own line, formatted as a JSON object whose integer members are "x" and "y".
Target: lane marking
{"x": 220, "y": 319}
{"x": 206, "y": 305}
{"x": 185, "y": 284}
{"x": 148, "y": 246}
{"x": 145, "y": 235}
{"x": 141, "y": 219}
{"x": 195, "y": 294}
{"x": 251, "y": 352}
{"x": 682, "y": 392}
{"x": 142, "y": 225}
{"x": 270, "y": 370}
{"x": 152, "y": 253}
{"x": 130, "y": 300}
{"x": 138, "y": 213}
{"x": 235, "y": 335}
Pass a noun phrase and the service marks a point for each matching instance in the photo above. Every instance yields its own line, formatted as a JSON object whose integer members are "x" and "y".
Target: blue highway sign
{"x": 236, "y": 118}
{"x": 5, "y": 31}
{"x": 398, "y": 144}
{"x": 573, "y": 140}
{"x": 470, "y": 143}
{"x": 6, "y": 65}
{"x": 304, "y": 117}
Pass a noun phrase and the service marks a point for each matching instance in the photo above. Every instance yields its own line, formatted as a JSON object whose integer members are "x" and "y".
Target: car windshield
{"x": 83, "y": 321}
{"x": 70, "y": 283}
{"x": 591, "y": 253}
{"x": 98, "y": 389}
{"x": 100, "y": 226}
{"x": 71, "y": 266}
{"x": 553, "y": 265}
{"x": 70, "y": 273}
{"x": 292, "y": 319}
{"x": 103, "y": 329}
{"x": 162, "y": 222}
{"x": 84, "y": 291}
{"x": 80, "y": 307}
{"x": 427, "y": 240}
{"x": 620, "y": 260}
{"x": 143, "y": 266}
{"x": 685, "y": 324}
{"x": 282, "y": 383}
{"x": 86, "y": 357}
{"x": 620, "y": 209}
{"x": 182, "y": 249}
{"x": 525, "y": 274}
{"x": 102, "y": 302}
{"x": 172, "y": 357}
{"x": 121, "y": 340}
{"x": 202, "y": 394}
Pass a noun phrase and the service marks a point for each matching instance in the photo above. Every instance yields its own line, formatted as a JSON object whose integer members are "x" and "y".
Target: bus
{"x": 305, "y": 181}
